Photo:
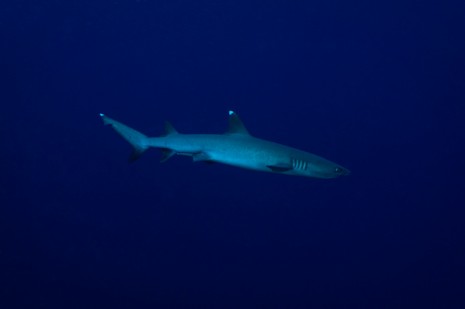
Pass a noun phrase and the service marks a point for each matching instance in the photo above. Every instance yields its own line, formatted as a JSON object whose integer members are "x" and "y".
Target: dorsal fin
{"x": 169, "y": 129}
{"x": 235, "y": 125}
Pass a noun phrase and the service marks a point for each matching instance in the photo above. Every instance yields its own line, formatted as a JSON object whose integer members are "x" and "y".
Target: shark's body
{"x": 236, "y": 147}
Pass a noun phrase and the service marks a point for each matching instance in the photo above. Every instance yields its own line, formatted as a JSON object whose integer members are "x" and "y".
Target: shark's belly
{"x": 245, "y": 154}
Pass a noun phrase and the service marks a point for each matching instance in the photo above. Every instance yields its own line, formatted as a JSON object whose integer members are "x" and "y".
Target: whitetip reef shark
{"x": 236, "y": 147}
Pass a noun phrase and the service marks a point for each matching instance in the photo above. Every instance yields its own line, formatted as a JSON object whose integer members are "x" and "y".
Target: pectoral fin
{"x": 166, "y": 154}
{"x": 201, "y": 156}
{"x": 280, "y": 167}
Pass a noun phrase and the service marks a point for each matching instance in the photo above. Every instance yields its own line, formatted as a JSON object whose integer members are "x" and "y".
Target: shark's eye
{"x": 338, "y": 170}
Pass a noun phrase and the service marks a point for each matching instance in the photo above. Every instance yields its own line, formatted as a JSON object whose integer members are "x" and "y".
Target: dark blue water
{"x": 376, "y": 87}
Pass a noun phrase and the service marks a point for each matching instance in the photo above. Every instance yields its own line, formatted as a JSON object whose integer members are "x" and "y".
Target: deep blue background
{"x": 375, "y": 86}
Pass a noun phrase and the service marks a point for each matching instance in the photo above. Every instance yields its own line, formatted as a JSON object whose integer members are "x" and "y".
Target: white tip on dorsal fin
{"x": 235, "y": 125}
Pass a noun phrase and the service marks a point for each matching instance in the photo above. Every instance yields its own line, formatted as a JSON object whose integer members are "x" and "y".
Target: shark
{"x": 236, "y": 147}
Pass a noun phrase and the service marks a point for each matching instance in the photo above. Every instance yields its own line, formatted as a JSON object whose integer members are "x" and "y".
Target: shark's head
{"x": 310, "y": 165}
{"x": 339, "y": 171}
{"x": 327, "y": 170}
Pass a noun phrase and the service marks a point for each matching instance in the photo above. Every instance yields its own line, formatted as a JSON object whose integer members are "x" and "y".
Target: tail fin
{"x": 137, "y": 140}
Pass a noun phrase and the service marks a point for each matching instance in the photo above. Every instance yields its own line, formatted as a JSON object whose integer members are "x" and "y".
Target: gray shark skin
{"x": 236, "y": 147}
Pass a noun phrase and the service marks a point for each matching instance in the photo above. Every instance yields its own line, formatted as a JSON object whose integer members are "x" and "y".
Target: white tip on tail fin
{"x": 104, "y": 118}
{"x": 137, "y": 140}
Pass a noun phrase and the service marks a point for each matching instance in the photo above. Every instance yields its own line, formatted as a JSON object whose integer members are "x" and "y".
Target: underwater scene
{"x": 229, "y": 154}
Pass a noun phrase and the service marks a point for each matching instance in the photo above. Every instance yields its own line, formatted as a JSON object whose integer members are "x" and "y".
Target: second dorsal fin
{"x": 169, "y": 129}
{"x": 235, "y": 125}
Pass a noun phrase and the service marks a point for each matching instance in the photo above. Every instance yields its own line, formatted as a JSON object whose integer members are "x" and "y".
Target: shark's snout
{"x": 340, "y": 171}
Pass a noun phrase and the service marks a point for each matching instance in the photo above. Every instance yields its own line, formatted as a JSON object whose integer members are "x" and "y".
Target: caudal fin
{"x": 138, "y": 141}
